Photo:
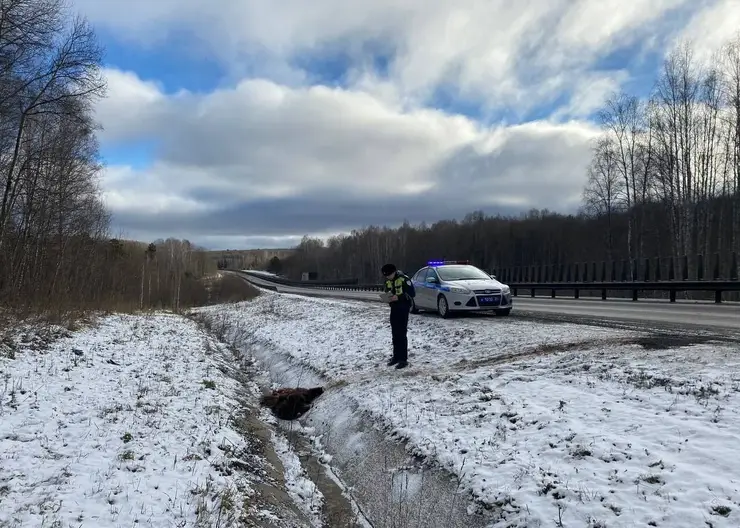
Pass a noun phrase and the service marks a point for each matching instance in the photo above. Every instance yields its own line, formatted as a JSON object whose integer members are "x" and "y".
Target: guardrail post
{"x": 634, "y": 295}
{"x": 700, "y": 267}
{"x": 603, "y": 294}
{"x": 733, "y": 267}
{"x": 716, "y": 270}
{"x": 657, "y": 269}
{"x": 552, "y": 293}
{"x": 646, "y": 274}
{"x": 671, "y": 270}
{"x": 685, "y": 271}
{"x": 672, "y": 296}
{"x": 718, "y": 296}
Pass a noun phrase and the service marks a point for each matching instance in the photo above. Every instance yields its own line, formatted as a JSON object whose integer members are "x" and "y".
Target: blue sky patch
{"x": 136, "y": 154}
{"x": 176, "y": 64}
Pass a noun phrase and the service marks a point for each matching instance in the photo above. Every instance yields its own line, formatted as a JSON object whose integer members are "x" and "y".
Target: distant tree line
{"x": 55, "y": 250}
{"x": 664, "y": 181}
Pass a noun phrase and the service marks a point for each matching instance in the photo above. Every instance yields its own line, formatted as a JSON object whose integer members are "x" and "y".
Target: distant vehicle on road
{"x": 457, "y": 286}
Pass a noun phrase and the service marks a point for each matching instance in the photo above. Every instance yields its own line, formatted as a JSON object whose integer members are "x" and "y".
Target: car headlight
{"x": 505, "y": 290}
{"x": 455, "y": 289}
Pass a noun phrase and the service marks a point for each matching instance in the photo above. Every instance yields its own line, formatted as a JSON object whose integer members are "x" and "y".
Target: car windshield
{"x": 461, "y": 272}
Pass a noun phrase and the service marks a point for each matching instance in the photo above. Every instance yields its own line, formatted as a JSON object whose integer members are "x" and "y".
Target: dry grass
{"x": 228, "y": 288}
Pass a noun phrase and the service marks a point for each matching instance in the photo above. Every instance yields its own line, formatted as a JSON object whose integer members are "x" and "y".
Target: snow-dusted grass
{"x": 300, "y": 488}
{"x": 127, "y": 423}
{"x": 546, "y": 424}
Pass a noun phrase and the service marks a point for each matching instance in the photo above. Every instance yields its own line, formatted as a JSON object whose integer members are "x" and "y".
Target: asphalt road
{"x": 697, "y": 315}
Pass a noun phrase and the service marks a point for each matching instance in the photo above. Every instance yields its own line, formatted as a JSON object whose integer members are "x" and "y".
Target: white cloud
{"x": 272, "y": 153}
{"x": 499, "y": 52}
{"x": 318, "y": 150}
{"x": 712, "y": 27}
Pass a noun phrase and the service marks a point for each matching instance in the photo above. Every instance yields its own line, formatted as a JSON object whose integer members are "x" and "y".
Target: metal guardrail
{"x": 646, "y": 270}
{"x": 672, "y": 287}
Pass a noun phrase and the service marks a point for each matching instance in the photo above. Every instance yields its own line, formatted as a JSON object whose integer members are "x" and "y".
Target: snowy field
{"x": 546, "y": 424}
{"x": 135, "y": 422}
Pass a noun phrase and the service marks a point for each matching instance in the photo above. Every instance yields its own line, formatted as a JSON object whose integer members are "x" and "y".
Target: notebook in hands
{"x": 385, "y": 297}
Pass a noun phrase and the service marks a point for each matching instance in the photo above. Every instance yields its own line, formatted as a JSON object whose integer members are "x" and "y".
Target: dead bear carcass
{"x": 291, "y": 404}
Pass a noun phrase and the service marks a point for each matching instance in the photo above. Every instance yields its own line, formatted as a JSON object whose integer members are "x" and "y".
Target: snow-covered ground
{"x": 135, "y": 422}
{"x": 547, "y": 424}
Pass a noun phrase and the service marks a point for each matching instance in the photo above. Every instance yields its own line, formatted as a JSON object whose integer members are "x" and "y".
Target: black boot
{"x": 392, "y": 361}
{"x": 402, "y": 364}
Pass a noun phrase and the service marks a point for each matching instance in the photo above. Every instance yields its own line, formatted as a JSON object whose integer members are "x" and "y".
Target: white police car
{"x": 456, "y": 286}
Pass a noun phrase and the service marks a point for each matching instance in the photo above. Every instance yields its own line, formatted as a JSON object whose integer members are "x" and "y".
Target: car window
{"x": 420, "y": 275}
{"x": 461, "y": 272}
{"x": 431, "y": 274}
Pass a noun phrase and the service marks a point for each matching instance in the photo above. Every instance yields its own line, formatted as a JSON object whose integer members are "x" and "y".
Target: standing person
{"x": 402, "y": 291}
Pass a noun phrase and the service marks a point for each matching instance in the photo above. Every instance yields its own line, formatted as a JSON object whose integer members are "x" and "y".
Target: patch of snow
{"x": 127, "y": 423}
{"x": 300, "y": 487}
{"x": 544, "y": 423}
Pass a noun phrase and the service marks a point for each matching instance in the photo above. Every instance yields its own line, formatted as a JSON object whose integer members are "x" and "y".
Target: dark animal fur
{"x": 290, "y": 404}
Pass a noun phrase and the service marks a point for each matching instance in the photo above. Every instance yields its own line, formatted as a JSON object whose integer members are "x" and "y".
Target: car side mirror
{"x": 432, "y": 280}
{"x": 493, "y": 277}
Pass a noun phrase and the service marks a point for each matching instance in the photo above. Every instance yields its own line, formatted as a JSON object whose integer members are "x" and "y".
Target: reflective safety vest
{"x": 395, "y": 286}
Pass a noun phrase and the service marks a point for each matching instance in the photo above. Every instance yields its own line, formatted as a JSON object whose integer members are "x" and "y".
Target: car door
{"x": 430, "y": 289}
{"x": 419, "y": 280}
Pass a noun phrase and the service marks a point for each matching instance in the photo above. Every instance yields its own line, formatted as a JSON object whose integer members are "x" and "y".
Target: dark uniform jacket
{"x": 400, "y": 286}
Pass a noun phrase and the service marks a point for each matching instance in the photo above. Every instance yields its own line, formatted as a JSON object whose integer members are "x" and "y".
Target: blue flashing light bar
{"x": 445, "y": 262}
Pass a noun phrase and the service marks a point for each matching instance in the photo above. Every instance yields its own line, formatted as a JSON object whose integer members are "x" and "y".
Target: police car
{"x": 456, "y": 286}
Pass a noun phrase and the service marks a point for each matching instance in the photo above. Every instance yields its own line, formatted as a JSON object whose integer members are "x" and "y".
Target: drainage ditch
{"x": 384, "y": 485}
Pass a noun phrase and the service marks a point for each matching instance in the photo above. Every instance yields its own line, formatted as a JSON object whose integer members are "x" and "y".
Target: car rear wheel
{"x": 442, "y": 307}
{"x": 503, "y": 312}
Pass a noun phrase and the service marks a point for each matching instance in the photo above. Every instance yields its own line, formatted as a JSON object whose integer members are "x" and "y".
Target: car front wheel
{"x": 442, "y": 307}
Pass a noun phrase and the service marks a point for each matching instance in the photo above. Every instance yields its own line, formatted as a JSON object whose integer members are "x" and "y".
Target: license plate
{"x": 489, "y": 300}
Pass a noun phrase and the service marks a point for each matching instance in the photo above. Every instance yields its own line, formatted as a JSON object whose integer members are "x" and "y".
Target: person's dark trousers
{"x": 399, "y": 326}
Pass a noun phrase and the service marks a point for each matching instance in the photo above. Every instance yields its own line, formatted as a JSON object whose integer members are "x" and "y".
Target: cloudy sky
{"x": 249, "y": 123}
